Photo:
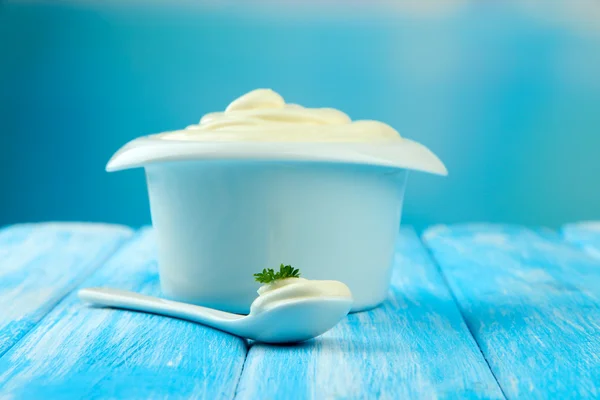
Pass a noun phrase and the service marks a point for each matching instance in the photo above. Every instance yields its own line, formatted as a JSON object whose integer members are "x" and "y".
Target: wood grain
{"x": 531, "y": 301}
{"x": 415, "y": 346}
{"x": 79, "y": 352}
{"x": 40, "y": 264}
{"x": 585, "y": 235}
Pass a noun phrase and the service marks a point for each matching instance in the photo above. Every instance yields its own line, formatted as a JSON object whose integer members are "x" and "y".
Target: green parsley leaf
{"x": 268, "y": 275}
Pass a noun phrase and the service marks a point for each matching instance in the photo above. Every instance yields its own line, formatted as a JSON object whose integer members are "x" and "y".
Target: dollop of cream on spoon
{"x": 283, "y": 290}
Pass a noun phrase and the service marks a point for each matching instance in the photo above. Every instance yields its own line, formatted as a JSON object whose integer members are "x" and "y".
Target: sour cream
{"x": 262, "y": 115}
{"x": 283, "y": 290}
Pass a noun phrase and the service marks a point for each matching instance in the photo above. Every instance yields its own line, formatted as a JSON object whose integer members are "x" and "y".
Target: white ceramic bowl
{"x": 223, "y": 211}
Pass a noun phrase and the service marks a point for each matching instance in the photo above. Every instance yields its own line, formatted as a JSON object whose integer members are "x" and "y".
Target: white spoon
{"x": 288, "y": 321}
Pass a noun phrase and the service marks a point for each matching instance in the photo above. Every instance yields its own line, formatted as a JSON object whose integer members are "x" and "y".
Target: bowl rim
{"x": 405, "y": 153}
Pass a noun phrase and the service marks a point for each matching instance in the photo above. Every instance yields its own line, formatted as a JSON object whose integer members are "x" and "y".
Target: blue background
{"x": 508, "y": 96}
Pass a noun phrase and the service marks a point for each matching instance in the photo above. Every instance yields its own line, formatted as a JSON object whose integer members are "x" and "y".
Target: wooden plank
{"x": 414, "y": 346}
{"x": 531, "y": 301}
{"x": 79, "y": 352}
{"x": 41, "y": 263}
{"x": 585, "y": 235}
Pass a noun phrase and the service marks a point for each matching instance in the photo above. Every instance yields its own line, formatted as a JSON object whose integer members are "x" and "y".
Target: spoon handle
{"x": 116, "y": 298}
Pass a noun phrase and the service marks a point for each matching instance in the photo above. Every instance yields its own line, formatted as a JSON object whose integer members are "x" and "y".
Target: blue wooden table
{"x": 474, "y": 311}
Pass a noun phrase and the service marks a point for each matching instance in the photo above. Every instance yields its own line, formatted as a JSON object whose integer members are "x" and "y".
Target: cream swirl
{"x": 262, "y": 115}
{"x": 284, "y": 290}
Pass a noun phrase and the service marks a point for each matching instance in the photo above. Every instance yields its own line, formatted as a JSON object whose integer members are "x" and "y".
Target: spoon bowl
{"x": 296, "y": 320}
{"x": 287, "y": 321}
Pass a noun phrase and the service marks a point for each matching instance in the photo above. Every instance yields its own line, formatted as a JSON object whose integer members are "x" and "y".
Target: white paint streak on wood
{"x": 414, "y": 346}
{"x": 81, "y": 352}
{"x": 531, "y": 302}
{"x": 41, "y": 263}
